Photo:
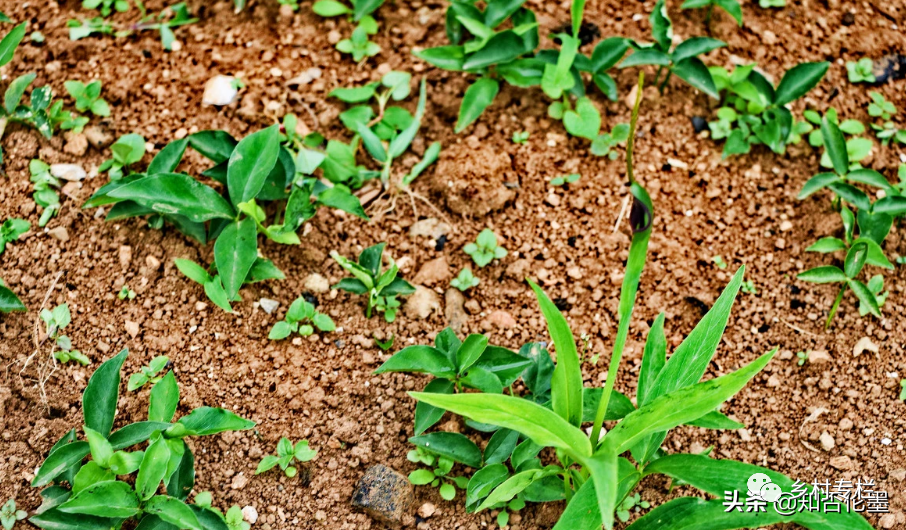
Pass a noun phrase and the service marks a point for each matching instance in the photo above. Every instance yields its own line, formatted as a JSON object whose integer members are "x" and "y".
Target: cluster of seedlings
{"x": 274, "y": 180}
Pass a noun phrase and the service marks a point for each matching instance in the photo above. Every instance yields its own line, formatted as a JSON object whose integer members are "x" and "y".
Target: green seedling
{"x": 719, "y": 262}
{"x": 358, "y": 44}
{"x": 755, "y": 112}
{"x": 256, "y": 169}
{"x": 106, "y": 7}
{"x": 902, "y": 389}
{"x": 857, "y": 148}
{"x": 301, "y": 318}
{"x": 150, "y": 373}
{"x": 465, "y": 280}
{"x": 748, "y": 287}
{"x": 587, "y": 468}
{"x": 118, "y": 484}
{"x": 881, "y": 108}
{"x": 876, "y": 286}
{"x": 520, "y": 137}
{"x": 9, "y": 301}
{"x": 125, "y": 293}
{"x": 45, "y": 186}
{"x": 88, "y": 97}
{"x": 860, "y": 71}
{"x": 11, "y": 230}
{"x": 128, "y": 150}
{"x": 386, "y": 133}
{"x": 732, "y": 8}
{"x": 485, "y": 248}
{"x": 384, "y": 345}
{"x": 563, "y": 180}
{"x": 631, "y": 503}
{"x": 438, "y": 476}
{"x": 856, "y": 258}
{"x": 681, "y": 60}
{"x": 766, "y": 4}
{"x": 80, "y": 29}
{"x": 803, "y": 357}
{"x": 9, "y": 515}
{"x": 293, "y": 4}
{"x": 286, "y": 453}
{"x": 604, "y": 144}
{"x": 55, "y": 321}
{"x": 381, "y": 286}
{"x": 234, "y": 519}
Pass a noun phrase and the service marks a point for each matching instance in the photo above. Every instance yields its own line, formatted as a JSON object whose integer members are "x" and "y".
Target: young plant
{"x": 88, "y": 97}
{"x": 803, "y": 358}
{"x": 125, "y": 293}
{"x": 127, "y": 150}
{"x": 681, "y": 60}
{"x": 438, "y": 475}
{"x": 563, "y": 180}
{"x": 11, "y": 230}
{"x": 876, "y": 286}
{"x": 55, "y": 321}
{"x": 604, "y": 144}
{"x": 755, "y": 112}
{"x": 881, "y": 108}
{"x": 9, "y": 515}
{"x": 520, "y": 137}
{"x": 286, "y": 453}
{"x": 748, "y": 287}
{"x": 465, "y": 280}
{"x": 169, "y": 18}
{"x": 386, "y": 133}
{"x": 857, "y": 148}
{"x": 358, "y": 44}
{"x": 719, "y": 262}
{"x": 589, "y": 471}
{"x": 118, "y": 485}
{"x": 382, "y": 286}
{"x": 9, "y": 301}
{"x": 384, "y": 345}
{"x": 860, "y": 71}
{"x": 151, "y": 373}
{"x": 258, "y": 168}
{"x": 45, "y": 186}
{"x": 485, "y": 248}
{"x": 766, "y": 4}
{"x": 79, "y": 29}
{"x": 902, "y": 389}
{"x": 631, "y": 503}
{"x": 732, "y": 8}
{"x": 106, "y": 7}
{"x": 301, "y": 318}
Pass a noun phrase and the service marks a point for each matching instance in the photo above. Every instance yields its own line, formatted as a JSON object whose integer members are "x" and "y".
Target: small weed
{"x": 11, "y": 230}
{"x": 358, "y": 44}
{"x": 485, "y": 248}
{"x": 9, "y": 515}
{"x": 565, "y": 179}
{"x": 803, "y": 357}
{"x": 902, "y": 389}
{"x": 125, "y": 293}
{"x": 520, "y": 137}
{"x": 857, "y": 148}
{"x": 887, "y": 131}
{"x": 46, "y": 186}
{"x": 629, "y": 504}
{"x": 106, "y": 7}
{"x": 860, "y": 71}
{"x": 604, "y": 143}
{"x": 438, "y": 475}
{"x": 732, "y": 8}
{"x": 384, "y": 345}
{"x": 88, "y": 97}
{"x": 286, "y": 453}
{"x": 719, "y": 262}
{"x": 748, "y": 287}
{"x": 465, "y": 280}
{"x": 127, "y": 150}
{"x": 765, "y": 4}
{"x": 301, "y": 318}
{"x": 151, "y": 373}
{"x": 55, "y": 321}
{"x": 382, "y": 286}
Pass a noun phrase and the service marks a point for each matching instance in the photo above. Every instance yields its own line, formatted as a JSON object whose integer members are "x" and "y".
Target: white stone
{"x": 70, "y": 172}
{"x": 220, "y": 90}
{"x": 250, "y": 514}
{"x": 268, "y": 305}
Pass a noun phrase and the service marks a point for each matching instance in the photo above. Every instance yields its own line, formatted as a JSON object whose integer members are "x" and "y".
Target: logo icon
{"x": 761, "y": 487}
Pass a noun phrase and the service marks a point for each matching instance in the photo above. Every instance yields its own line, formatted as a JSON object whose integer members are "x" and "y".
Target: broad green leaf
{"x": 661, "y": 27}
{"x": 216, "y": 146}
{"x": 427, "y": 415}
{"x": 152, "y": 469}
{"x": 499, "y": 10}
{"x": 646, "y": 56}
{"x": 851, "y": 194}
{"x": 169, "y": 157}
{"x": 472, "y": 348}
{"x": 566, "y": 384}
{"x": 483, "y": 380}
{"x": 483, "y": 482}
{"x": 54, "y": 519}
{"x": 557, "y": 78}
{"x": 452, "y": 445}
{"x": 182, "y": 479}
{"x": 515, "y": 485}
{"x": 174, "y": 512}
{"x": 104, "y": 499}
{"x": 478, "y": 96}
{"x": 9, "y": 301}
{"x": 59, "y": 461}
{"x": 176, "y": 194}
{"x": 835, "y": 145}
{"x": 681, "y": 406}
{"x": 101, "y": 394}
{"x": 866, "y": 297}
{"x": 89, "y": 475}
{"x": 101, "y": 450}
{"x": 503, "y": 363}
{"x": 695, "y": 46}
{"x": 542, "y": 426}
{"x": 371, "y": 142}
{"x": 688, "y": 363}
{"x": 603, "y": 468}
{"x": 445, "y": 57}
{"x": 135, "y": 433}
{"x": 362, "y": 8}
{"x": 10, "y": 42}
{"x": 872, "y": 178}
{"x": 423, "y": 359}
{"x": 694, "y": 513}
{"x": 732, "y": 7}
{"x": 827, "y": 244}
{"x": 215, "y": 292}
{"x": 797, "y": 81}
{"x": 235, "y": 251}
{"x": 502, "y": 48}
{"x": 607, "y": 53}
{"x": 123, "y": 463}
{"x": 715, "y": 420}
{"x": 164, "y": 399}
{"x": 617, "y": 407}
{"x": 205, "y": 421}
{"x": 855, "y": 259}
{"x": 823, "y": 274}
{"x": 330, "y": 8}
{"x": 582, "y": 512}
{"x": 15, "y": 91}
{"x": 500, "y": 446}
{"x": 251, "y": 162}
{"x": 584, "y": 121}
{"x": 404, "y": 139}
{"x": 818, "y": 182}
{"x": 694, "y": 72}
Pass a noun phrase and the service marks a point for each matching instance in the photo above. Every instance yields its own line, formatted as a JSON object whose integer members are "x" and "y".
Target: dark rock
{"x": 383, "y": 494}
{"x": 889, "y": 68}
{"x": 848, "y": 18}
{"x": 699, "y": 124}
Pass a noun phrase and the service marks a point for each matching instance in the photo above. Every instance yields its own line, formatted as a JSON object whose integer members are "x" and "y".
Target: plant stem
{"x": 658, "y": 75}
{"x": 708, "y": 16}
{"x": 664, "y": 84}
{"x": 836, "y": 305}
{"x": 625, "y": 315}
{"x": 567, "y": 487}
